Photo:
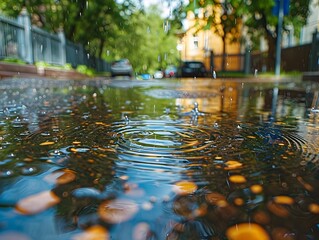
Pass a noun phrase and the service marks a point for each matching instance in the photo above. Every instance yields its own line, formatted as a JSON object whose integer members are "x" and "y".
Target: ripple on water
{"x": 164, "y": 139}
{"x": 163, "y": 150}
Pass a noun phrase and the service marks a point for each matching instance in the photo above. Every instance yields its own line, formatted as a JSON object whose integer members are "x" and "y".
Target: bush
{"x": 13, "y": 60}
{"x": 85, "y": 70}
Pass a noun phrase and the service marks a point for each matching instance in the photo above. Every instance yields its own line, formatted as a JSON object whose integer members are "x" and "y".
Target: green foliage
{"x": 147, "y": 45}
{"x": 83, "y": 21}
{"x": 108, "y": 29}
{"x": 13, "y": 60}
{"x": 42, "y": 64}
{"x": 255, "y": 16}
{"x": 261, "y": 21}
{"x": 85, "y": 70}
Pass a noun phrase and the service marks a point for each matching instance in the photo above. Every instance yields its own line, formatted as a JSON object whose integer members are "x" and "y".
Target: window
{"x": 195, "y": 41}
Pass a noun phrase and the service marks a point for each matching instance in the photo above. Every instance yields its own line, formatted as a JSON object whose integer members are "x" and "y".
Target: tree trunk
{"x": 102, "y": 42}
{"x": 271, "y": 55}
{"x": 224, "y": 54}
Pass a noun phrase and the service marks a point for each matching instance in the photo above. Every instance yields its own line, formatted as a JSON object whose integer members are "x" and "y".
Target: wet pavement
{"x": 159, "y": 159}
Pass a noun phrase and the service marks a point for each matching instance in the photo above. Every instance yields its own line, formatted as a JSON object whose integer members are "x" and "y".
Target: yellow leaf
{"x": 237, "y": 179}
{"x": 37, "y": 203}
{"x": 247, "y": 231}
{"x": 46, "y": 143}
{"x": 185, "y": 187}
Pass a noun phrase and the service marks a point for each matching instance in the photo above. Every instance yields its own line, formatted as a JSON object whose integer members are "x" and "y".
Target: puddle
{"x": 171, "y": 159}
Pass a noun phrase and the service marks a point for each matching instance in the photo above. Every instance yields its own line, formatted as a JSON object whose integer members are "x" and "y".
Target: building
{"x": 201, "y": 45}
{"x": 206, "y": 46}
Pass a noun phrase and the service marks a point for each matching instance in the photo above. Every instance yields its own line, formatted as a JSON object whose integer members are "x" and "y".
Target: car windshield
{"x": 159, "y": 119}
{"x": 194, "y": 65}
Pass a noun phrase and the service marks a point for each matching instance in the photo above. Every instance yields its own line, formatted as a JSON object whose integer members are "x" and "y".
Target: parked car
{"x": 193, "y": 69}
{"x": 170, "y": 71}
{"x": 144, "y": 76}
{"x": 121, "y": 67}
{"x": 158, "y": 74}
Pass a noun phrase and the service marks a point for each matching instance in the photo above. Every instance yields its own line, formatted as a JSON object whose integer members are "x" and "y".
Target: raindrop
{"x": 195, "y": 111}
{"x": 214, "y": 75}
{"x": 126, "y": 119}
{"x": 6, "y": 173}
{"x": 256, "y": 73}
{"x": 167, "y": 26}
{"x": 28, "y": 170}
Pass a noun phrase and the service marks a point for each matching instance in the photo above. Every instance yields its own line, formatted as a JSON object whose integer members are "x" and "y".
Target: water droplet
{"x": 28, "y": 170}
{"x": 126, "y": 119}
{"x": 167, "y": 26}
{"x": 195, "y": 111}
{"x": 6, "y": 173}
{"x": 256, "y": 73}
{"x": 214, "y": 75}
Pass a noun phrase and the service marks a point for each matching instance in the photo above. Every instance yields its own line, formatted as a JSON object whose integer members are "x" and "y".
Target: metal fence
{"x": 20, "y": 40}
{"x": 301, "y": 58}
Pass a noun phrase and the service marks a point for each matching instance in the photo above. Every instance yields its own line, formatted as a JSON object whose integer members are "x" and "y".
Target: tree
{"x": 108, "y": 29}
{"x": 87, "y": 22}
{"x": 149, "y": 46}
{"x": 226, "y": 17}
{"x": 260, "y": 21}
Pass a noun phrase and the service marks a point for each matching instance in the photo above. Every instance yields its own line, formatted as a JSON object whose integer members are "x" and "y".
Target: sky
{"x": 163, "y": 4}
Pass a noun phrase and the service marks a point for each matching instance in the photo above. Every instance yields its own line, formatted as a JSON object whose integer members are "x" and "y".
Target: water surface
{"x": 159, "y": 159}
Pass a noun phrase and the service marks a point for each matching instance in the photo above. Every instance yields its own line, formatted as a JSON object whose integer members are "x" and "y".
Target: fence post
{"x": 211, "y": 60}
{"x": 62, "y": 47}
{"x": 26, "y": 48}
{"x": 247, "y": 61}
{"x": 314, "y": 52}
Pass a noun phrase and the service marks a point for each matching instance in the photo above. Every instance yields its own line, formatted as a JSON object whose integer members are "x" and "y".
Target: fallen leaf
{"x": 117, "y": 210}
{"x": 247, "y": 231}
{"x": 37, "y": 203}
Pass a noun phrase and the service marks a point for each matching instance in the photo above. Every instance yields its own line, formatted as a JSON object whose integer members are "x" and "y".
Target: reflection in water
{"x": 173, "y": 159}
{"x": 315, "y": 102}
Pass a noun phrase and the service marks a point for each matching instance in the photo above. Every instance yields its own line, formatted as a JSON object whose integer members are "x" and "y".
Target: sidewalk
{"x": 21, "y": 70}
